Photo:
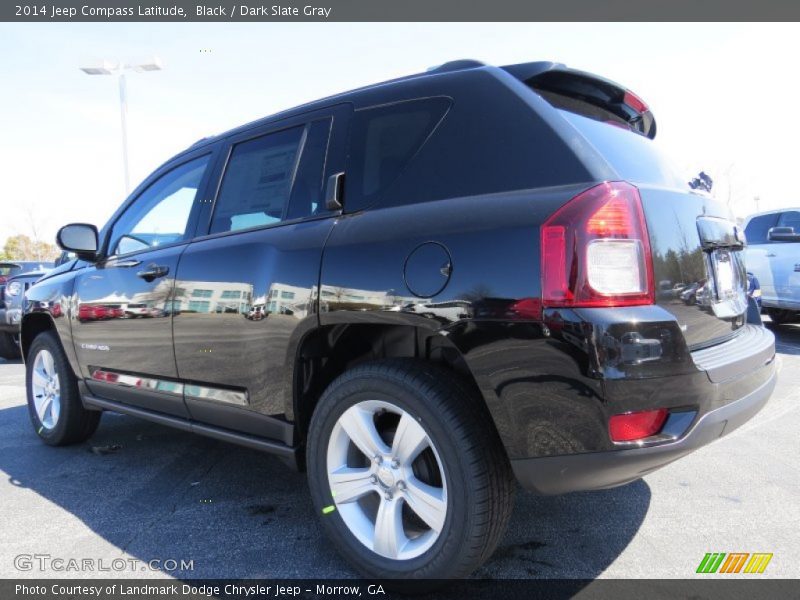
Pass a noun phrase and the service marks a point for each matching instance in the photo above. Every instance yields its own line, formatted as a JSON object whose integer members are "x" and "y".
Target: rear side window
{"x": 257, "y": 182}
{"x": 274, "y": 177}
{"x": 383, "y": 141}
{"x": 306, "y": 198}
{"x": 757, "y": 228}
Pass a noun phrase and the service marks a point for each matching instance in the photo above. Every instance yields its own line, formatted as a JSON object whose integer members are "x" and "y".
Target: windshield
{"x": 6, "y": 269}
{"x": 10, "y": 269}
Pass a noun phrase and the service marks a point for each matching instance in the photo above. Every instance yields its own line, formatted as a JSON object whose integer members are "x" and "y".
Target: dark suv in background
{"x": 15, "y": 278}
{"x": 463, "y": 277}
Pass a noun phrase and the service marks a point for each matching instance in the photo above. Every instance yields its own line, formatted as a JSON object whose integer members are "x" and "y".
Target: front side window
{"x": 758, "y": 227}
{"x": 160, "y": 214}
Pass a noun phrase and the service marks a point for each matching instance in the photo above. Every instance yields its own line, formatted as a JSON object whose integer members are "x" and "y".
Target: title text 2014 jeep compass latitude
{"x": 461, "y": 277}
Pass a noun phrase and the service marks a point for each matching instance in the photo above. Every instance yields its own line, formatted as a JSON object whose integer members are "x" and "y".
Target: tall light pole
{"x": 118, "y": 69}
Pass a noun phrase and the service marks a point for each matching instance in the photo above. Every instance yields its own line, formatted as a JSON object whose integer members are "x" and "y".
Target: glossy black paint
{"x": 443, "y": 266}
{"x": 681, "y": 258}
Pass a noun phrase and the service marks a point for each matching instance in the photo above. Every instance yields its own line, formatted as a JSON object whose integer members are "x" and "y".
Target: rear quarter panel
{"x": 493, "y": 242}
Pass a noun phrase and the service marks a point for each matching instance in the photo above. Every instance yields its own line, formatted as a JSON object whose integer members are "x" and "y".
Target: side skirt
{"x": 289, "y": 455}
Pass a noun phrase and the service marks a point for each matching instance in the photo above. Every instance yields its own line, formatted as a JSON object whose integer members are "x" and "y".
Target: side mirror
{"x": 80, "y": 238}
{"x": 334, "y": 192}
{"x": 782, "y": 234}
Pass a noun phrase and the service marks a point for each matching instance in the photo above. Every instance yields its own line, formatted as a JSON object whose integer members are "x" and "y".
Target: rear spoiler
{"x": 582, "y": 92}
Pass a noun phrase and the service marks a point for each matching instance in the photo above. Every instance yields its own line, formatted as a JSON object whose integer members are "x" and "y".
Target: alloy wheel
{"x": 46, "y": 389}
{"x": 387, "y": 480}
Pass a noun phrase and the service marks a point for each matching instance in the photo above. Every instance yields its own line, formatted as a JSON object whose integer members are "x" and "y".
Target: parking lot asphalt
{"x": 140, "y": 492}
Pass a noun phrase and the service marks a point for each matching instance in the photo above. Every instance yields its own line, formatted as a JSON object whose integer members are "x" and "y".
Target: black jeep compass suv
{"x": 418, "y": 291}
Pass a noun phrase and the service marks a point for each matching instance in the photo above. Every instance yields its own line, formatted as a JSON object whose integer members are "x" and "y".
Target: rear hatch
{"x": 697, "y": 251}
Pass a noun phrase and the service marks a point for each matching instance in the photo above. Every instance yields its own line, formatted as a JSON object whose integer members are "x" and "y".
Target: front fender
{"x": 48, "y": 306}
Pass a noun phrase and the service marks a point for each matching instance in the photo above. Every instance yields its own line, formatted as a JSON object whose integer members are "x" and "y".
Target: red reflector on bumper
{"x": 637, "y": 425}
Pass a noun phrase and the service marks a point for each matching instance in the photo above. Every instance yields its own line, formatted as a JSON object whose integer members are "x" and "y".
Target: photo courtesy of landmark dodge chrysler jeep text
{"x": 418, "y": 291}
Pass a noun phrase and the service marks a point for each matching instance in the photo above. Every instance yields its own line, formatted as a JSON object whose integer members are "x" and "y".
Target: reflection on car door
{"x": 248, "y": 287}
{"x": 123, "y": 304}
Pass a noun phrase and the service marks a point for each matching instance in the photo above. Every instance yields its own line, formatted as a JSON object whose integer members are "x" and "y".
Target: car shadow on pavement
{"x": 573, "y": 536}
{"x": 152, "y": 493}
{"x": 787, "y": 338}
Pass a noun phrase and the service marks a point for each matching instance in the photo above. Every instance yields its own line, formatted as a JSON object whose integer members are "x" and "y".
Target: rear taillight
{"x": 596, "y": 252}
{"x": 637, "y": 425}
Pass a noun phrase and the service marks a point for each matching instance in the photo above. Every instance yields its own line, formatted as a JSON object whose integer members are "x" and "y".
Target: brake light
{"x": 637, "y": 425}
{"x": 596, "y": 251}
{"x": 634, "y": 102}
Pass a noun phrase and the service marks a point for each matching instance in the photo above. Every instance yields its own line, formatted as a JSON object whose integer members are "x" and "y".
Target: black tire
{"x": 479, "y": 482}
{"x": 779, "y": 316}
{"x": 9, "y": 349}
{"x": 74, "y": 424}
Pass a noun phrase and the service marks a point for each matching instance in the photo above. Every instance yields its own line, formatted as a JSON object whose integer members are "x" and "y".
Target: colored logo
{"x": 734, "y": 562}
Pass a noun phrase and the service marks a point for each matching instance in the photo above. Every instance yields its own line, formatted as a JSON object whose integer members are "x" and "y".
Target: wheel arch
{"x": 326, "y": 352}
{"x": 34, "y": 324}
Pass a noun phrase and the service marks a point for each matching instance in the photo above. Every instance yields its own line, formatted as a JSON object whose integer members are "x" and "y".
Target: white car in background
{"x": 773, "y": 256}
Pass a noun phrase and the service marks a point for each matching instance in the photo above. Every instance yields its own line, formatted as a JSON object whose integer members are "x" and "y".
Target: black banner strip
{"x": 399, "y": 10}
{"x": 711, "y": 588}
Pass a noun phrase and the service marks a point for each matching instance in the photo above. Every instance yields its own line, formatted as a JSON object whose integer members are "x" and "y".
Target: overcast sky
{"x": 723, "y": 95}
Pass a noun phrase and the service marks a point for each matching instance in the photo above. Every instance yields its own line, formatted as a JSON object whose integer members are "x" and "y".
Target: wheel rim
{"x": 46, "y": 389}
{"x": 387, "y": 480}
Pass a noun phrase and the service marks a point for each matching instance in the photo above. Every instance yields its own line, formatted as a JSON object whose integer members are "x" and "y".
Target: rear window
{"x": 634, "y": 157}
{"x": 757, "y": 228}
{"x": 383, "y": 141}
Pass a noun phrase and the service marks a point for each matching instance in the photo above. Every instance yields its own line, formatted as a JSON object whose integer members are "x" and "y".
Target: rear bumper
{"x": 600, "y": 470}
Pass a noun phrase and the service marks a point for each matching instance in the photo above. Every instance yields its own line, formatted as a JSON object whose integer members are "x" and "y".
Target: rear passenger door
{"x": 247, "y": 286}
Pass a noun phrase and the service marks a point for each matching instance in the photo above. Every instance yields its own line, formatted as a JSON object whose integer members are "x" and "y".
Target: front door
{"x": 123, "y": 306}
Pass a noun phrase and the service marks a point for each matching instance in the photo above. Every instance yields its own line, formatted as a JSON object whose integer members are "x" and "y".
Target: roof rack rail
{"x": 456, "y": 65}
{"x": 201, "y": 140}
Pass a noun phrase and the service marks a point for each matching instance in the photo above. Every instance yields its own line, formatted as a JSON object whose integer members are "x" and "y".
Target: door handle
{"x": 771, "y": 255}
{"x": 153, "y": 272}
